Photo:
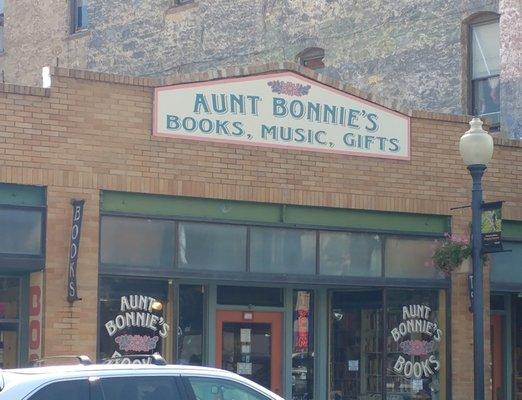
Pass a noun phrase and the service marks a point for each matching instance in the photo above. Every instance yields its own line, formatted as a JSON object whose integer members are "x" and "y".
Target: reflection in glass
{"x": 137, "y": 242}
{"x": 135, "y": 317}
{"x": 303, "y": 346}
{"x": 485, "y": 50}
{"x": 350, "y": 254}
{"x": 282, "y": 250}
{"x": 190, "y": 325}
{"x": 507, "y": 267}
{"x": 216, "y": 247}
{"x": 20, "y": 231}
{"x": 250, "y": 358}
{"x": 486, "y": 99}
{"x": 415, "y": 344}
{"x": 9, "y": 298}
{"x": 410, "y": 258}
{"x": 356, "y": 345}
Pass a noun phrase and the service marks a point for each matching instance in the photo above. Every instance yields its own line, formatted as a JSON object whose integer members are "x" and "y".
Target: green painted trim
{"x": 188, "y": 207}
{"x": 171, "y": 206}
{"x": 512, "y": 230}
{"x": 22, "y": 195}
{"x": 370, "y": 220}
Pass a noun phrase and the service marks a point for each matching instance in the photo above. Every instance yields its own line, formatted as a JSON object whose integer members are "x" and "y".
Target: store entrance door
{"x": 249, "y": 343}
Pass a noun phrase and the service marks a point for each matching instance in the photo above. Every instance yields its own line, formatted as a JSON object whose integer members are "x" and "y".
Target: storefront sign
{"x": 72, "y": 284}
{"x": 137, "y": 328}
{"x": 281, "y": 110}
{"x": 418, "y": 359}
{"x": 35, "y": 316}
{"x": 491, "y": 227}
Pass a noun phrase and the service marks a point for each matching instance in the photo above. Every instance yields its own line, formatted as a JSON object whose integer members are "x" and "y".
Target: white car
{"x": 155, "y": 381}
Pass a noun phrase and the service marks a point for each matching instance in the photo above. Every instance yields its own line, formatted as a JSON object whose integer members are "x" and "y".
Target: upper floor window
{"x": 485, "y": 71}
{"x": 312, "y": 58}
{"x": 1, "y": 26}
{"x": 79, "y": 15}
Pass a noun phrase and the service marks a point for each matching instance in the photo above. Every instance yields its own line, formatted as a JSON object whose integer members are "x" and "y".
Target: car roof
{"x": 40, "y": 375}
{"x": 83, "y": 369}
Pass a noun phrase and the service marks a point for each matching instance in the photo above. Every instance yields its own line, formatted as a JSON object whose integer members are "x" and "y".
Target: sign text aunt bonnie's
{"x": 280, "y": 110}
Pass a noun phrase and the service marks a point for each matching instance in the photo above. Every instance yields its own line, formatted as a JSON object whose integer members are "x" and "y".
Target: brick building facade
{"x": 89, "y": 137}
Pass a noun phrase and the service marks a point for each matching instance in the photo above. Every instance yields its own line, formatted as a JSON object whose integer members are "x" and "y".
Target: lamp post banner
{"x": 72, "y": 288}
{"x": 284, "y": 110}
{"x": 491, "y": 227}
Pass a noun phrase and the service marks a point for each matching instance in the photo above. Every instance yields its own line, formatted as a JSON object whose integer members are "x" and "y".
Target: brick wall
{"x": 92, "y": 131}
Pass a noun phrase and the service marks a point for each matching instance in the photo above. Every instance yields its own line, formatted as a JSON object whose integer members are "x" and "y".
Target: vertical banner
{"x": 72, "y": 288}
{"x": 35, "y": 316}
{"x": 491, "y": 227}
{"x": 301, "y": 321}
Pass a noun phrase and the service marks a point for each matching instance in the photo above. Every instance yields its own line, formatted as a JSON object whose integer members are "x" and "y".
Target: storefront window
{"x": 290, "y": 251}
{"x": 216, "y": 247}
{"x": 135, "y": 318}
{"x": 137, "y": 242}
{"x": 410, "y": 258}
{"x": 303, "y": 346}
{"x": 356, "y": 345}
{"x": 411, "y": 344}
{"x": 506, "y": 267}
{"x": 190, "y": 325}
{"x": 9, "y": 321}
{"x": 416, "y": 344}
{"x": 20, "y": 231}
{"x": 350, "y": 254}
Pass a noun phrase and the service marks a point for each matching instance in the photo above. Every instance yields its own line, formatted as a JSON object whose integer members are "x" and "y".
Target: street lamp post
{"x": 476, "y": 149}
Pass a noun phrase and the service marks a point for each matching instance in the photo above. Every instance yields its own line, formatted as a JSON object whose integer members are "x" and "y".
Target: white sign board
{"x": 282, "y": 110}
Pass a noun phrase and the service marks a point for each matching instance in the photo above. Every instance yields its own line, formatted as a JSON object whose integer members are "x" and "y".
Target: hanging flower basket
{"x": 450, "y": 253}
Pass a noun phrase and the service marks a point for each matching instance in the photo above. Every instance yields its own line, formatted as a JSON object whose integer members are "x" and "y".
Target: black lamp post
{"x": 476, "y": 149}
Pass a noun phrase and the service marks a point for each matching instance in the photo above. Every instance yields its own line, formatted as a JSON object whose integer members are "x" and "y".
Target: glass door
{"x": 250, "y": 344}
{"x": 356, "y": 345}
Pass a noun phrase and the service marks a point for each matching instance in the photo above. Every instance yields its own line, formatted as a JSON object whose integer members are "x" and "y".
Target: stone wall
{"x": 412, "y": 51}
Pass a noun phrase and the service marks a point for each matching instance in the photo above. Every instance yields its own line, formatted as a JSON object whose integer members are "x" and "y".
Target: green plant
{"x": 450, "y": 253}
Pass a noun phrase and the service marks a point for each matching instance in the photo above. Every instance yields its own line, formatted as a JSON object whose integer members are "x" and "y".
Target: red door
{"x": 250, "y": 343}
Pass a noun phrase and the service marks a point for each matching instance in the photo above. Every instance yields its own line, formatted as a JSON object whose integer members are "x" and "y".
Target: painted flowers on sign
{"x": 289, "y": 88}
{"x": 417, "y": 347}
{"x": 138, "y": 327}
{"x": 419, "y": 359}
{"x": 137, "y": 343}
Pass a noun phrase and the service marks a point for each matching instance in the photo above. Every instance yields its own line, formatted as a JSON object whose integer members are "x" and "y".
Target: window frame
{"x": 484, "y": 18}
{"x": 263, "y": 277}
{"x": 19, "y": 262}
{"x": 384, "y": 331}
{"x": 90, "y": 393}
{"x": 73, "y": 25}
{"x": 311, "y": 54}
{"x": 185, "y": 379}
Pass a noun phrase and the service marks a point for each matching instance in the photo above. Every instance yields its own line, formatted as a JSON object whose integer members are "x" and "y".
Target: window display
{"x": 391, "y": 340}
{"x": 136, "y": 317}
{"x": 303, "y": 346}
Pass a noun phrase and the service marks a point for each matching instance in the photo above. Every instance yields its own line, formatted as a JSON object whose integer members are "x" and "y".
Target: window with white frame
{"x": 79, "y": 15}
{"x": 485, "y": 70}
